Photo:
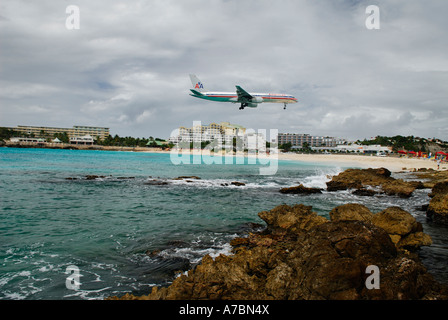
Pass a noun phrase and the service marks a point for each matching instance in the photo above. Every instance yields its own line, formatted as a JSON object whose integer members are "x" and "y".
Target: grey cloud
{"x": 127, "y": 66}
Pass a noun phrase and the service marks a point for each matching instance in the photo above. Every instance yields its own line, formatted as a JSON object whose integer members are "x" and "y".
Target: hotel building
{"x": 223, "y": 132}
{"x": 297, "y": 140}
{"x": 203, "y": 133}
{"x": 77, "y": 131}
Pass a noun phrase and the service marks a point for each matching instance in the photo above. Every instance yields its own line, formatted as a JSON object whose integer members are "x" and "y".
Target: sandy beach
{"x": 394, "y": 164}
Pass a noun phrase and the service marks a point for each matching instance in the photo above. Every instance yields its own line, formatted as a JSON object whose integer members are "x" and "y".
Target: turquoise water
{"x": 106, "y": 226}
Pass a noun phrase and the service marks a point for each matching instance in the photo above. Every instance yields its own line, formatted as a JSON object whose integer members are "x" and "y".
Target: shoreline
{"x": 392, "y": 163}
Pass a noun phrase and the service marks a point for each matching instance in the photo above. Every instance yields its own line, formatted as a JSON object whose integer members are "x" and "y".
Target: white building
{"x": 84, "y": 140}
{"x": 223, "y": 133}
{"x": 27, "y": 140}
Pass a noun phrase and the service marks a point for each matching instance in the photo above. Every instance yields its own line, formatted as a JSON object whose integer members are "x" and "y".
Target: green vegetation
{"x": 118, "y": 141}
{"x": 6, "y": 134}
{"x": 409, "y": 143}
{"x": 62, "y": 136}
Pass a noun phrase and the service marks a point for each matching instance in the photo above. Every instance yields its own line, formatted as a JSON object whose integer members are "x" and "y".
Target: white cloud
{"x": 127, "y": 66}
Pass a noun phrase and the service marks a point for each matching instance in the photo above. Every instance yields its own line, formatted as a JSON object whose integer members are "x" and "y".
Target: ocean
{"x": 135, "y": 226}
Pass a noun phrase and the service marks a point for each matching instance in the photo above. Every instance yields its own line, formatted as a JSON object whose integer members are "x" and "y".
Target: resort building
{"x": 84, "y": 140}
{"x": 27, "y": 140}
{"x": 202, "y": 133}
{"x": 223, "y": 132}
{"x": 297, "y": 140}
{"x": 77, "y": 131}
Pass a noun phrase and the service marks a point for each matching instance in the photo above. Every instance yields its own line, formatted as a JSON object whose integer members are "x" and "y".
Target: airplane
{"x": 251, "y": 100}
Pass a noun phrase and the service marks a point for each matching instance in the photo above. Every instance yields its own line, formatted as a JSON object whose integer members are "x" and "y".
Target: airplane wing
{"x": 243, "y": 95}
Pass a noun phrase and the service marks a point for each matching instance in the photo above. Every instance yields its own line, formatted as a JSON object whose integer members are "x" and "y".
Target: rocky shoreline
{"x": 303, "y": 256}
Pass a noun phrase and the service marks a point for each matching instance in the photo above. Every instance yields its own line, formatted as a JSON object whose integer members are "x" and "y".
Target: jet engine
{"x": 257, "y": 100}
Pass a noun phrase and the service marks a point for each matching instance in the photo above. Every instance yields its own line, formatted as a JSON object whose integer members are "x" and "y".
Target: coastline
{"x": 392, "y": 163}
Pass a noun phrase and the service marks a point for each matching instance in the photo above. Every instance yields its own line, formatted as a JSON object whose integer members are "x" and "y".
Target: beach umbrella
{"x": 402, "y": 151}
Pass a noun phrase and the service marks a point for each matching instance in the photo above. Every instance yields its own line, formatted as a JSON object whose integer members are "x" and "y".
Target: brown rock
{"x": 414, "y": 241}
{"x": 351, "y": 211}
{"x": 187, "y": 177}
{"x": 381, "y": 178}
{"x": 291, "y": 219}
{"x": 364, "y": 192}
{"x": 301, "y": 189}
{"x": 439, "y": 188}
{"x": 398, "y": 187}
{"x": 312, "y": 259}
{"x": 395, "y": 221}
{"x": 438, "y": 209}
{"x": 404, "y": 231}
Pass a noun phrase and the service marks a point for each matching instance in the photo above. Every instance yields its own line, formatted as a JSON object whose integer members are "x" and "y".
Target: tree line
{"x": 115, "y": 141}
{"x": 409, "y": 143}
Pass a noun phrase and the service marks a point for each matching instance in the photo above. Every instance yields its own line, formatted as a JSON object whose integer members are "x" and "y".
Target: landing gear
{"x": 243, "y": 105}
{"x": 284, "y": 106}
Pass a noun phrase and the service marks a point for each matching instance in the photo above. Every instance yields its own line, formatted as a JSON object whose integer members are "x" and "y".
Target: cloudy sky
{"x": 127, "y": 65}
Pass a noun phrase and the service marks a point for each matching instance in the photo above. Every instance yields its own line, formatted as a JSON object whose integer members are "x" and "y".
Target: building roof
{"x": 150, "y": 142}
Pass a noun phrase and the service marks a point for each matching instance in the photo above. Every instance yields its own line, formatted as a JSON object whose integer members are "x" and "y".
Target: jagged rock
{"x": 381, "y": 178}
{"x": 351, "y": 211}
{"x": 396, "y": 221}
{"x": 187, "y": 177}
{"x": 301, "y": 189}
{"x": 93, "y": 177}
{"x": 439, "y": 188}
{"x": 404, "y": 231}
{"x": 364, "y": 192}
{"x": 414, "y": 241}
{"x": 432, "y": 177}
{"x": 438, "y": 208}
{"x": 398, "y": 187}
{"x": 327, "y": 261}
{"x": 156, "y": 182}
{"x": 291, "y": 219}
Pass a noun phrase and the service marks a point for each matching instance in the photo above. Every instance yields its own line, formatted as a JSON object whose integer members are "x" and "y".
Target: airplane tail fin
{"x": 197, "y": 84}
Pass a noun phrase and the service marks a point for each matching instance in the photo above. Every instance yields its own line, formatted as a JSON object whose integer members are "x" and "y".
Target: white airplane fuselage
{"x": 240, "y": 96}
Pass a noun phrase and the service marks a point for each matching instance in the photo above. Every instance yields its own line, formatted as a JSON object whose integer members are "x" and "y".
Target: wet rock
{"x": 396, "y": 221}
{"x": 381, "y": 178}
{"x": 237, "y": 183}
{"x": 156, "y": 182}
{"x": 432, "y": 177}
{"x": 303, "y": 256}
{"x": 439, "y": 188}
{"x": 364, "y": 192}
{"x": 351, "y": 211}
{"x": 301, "y": 189}
{"x": 291, "y": 219}
{"x": 187, "y": 177}
{"x": 438, "y": 208}
{"x": 326, "y": 261}
{"x": 93, "y": 177}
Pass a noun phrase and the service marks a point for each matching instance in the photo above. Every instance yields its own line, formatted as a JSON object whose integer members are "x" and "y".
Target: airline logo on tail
{"x": 199, "y": 85}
